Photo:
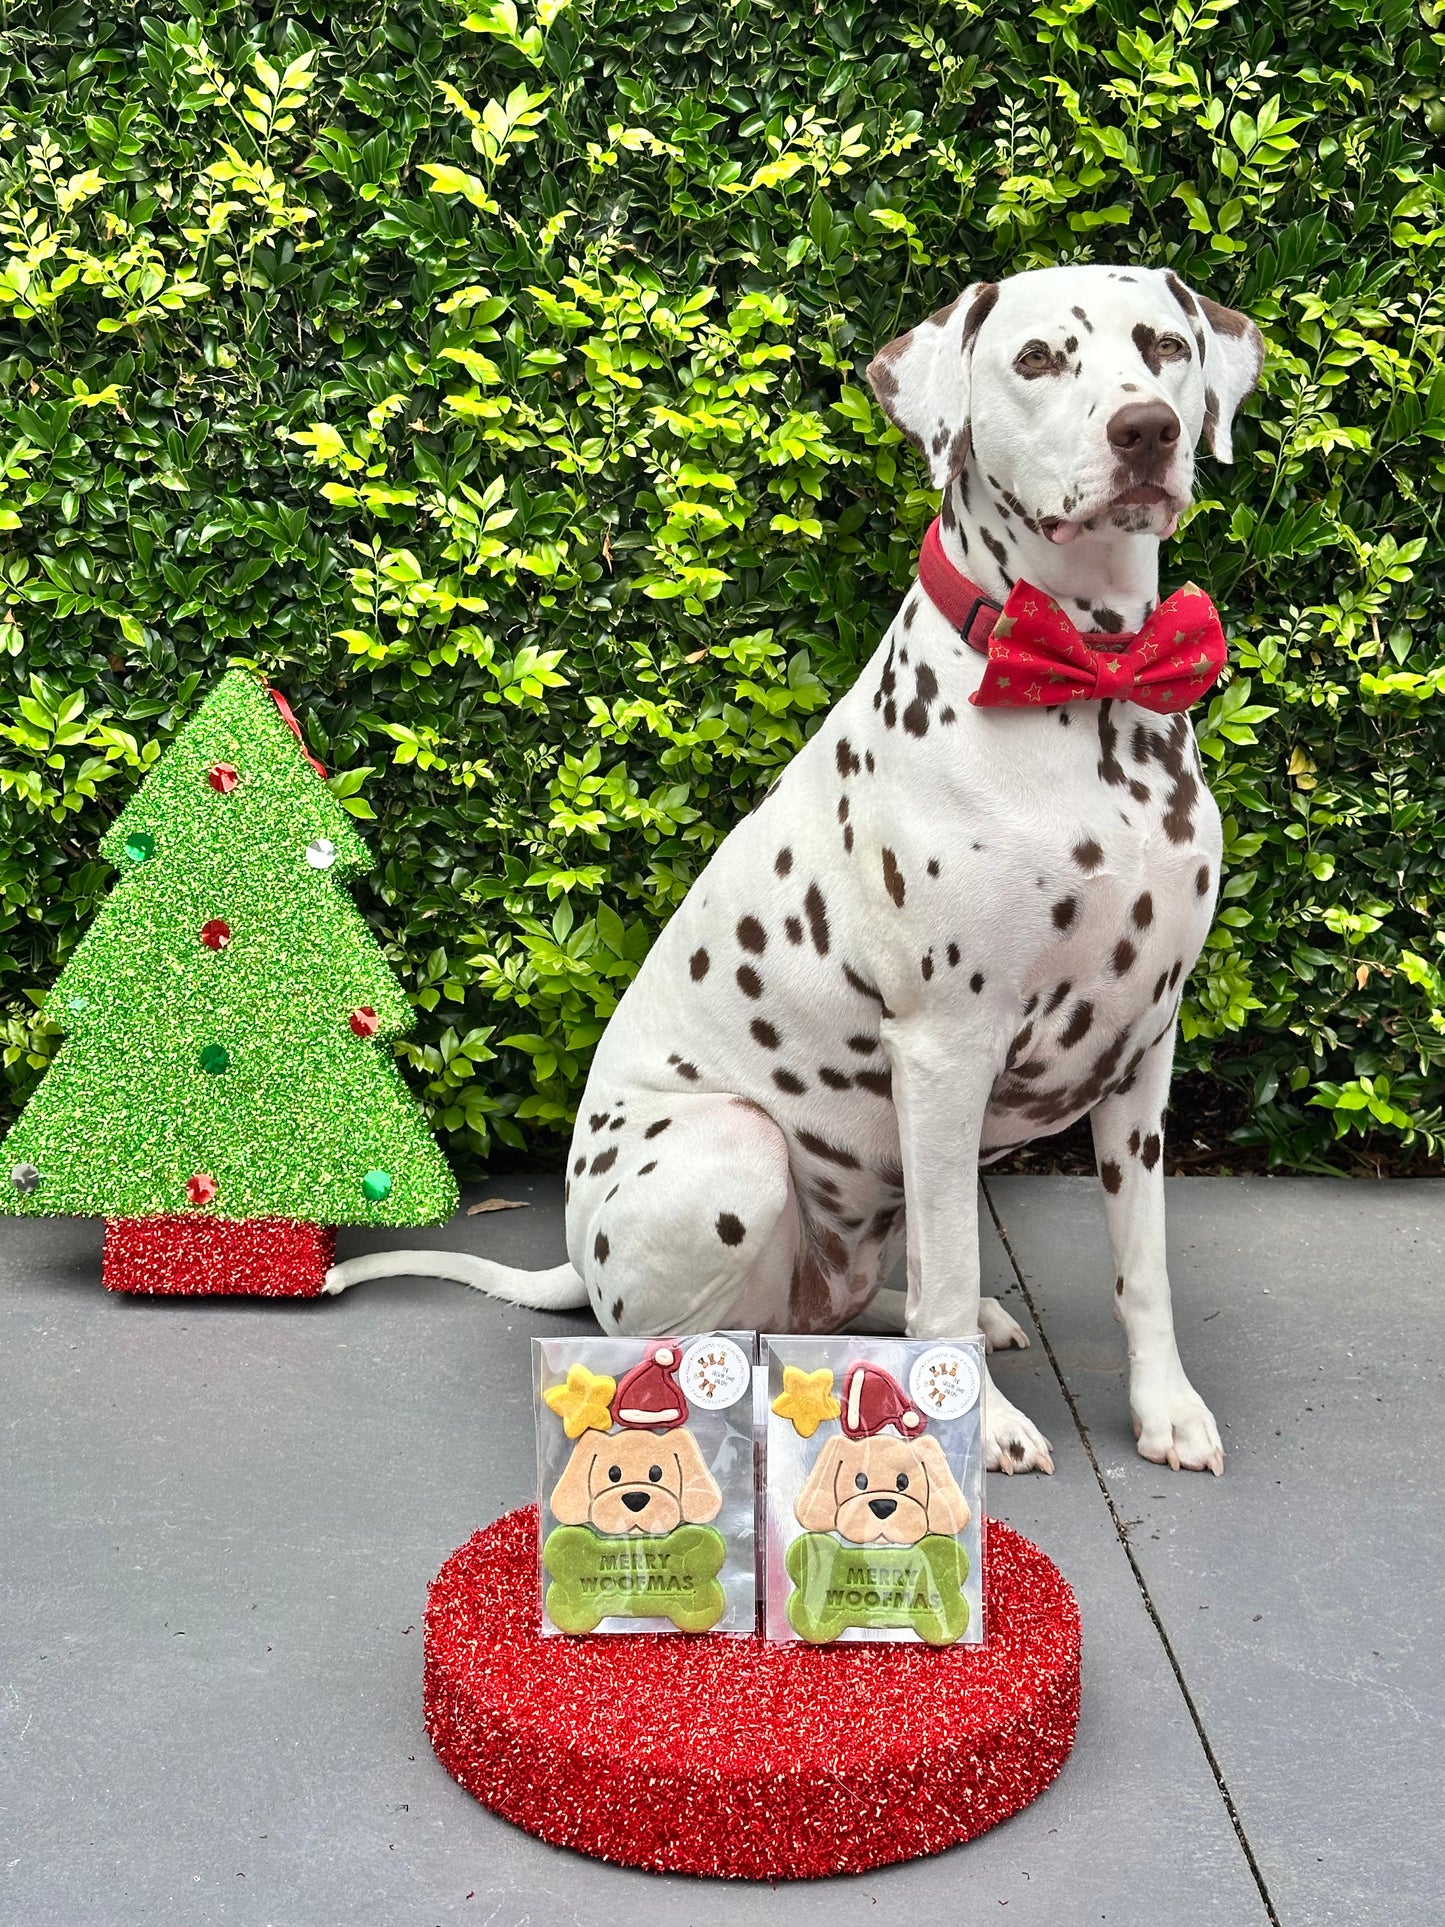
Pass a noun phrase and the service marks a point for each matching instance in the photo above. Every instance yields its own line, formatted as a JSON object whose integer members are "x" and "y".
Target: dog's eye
{"x": 614, "y": 1472}
{"x": 861, "y": 1481}
{"x": 1173, "y": 347}
{"x": 654, "y": 1472}
{"x": 902, "y": 1482}
{"x": 1034, "y": 358}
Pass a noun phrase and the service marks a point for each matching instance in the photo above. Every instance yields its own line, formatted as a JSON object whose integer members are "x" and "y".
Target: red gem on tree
{"x": 223, "y": 778}
{"x": 365, "y": 1021}
{"x": 201, "y": 1188}
{"x": 216, "y": 934}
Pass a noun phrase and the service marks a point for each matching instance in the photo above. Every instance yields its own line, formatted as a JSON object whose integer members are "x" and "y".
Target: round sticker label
{"x": 944, "y": 1381}
{"x": 714, "y": 1373}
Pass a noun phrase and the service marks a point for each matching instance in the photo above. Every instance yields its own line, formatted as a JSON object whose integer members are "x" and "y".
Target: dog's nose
{"x": 1142, "y": 431}
{"x": 883, "y": 1508}
{"x": 635, "y": 1501}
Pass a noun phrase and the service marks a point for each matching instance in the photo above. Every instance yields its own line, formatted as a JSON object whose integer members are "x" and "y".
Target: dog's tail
{"x": 560, "y": 1289}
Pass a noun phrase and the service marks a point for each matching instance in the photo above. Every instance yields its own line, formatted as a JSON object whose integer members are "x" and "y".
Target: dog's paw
{"x": 1000, "y": 1331}
{"x": 1176, "y": 1428}
{"x": 1014, "y": 1443}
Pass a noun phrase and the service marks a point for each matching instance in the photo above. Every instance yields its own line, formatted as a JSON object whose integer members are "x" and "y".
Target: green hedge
{"x": 493, "y": 381}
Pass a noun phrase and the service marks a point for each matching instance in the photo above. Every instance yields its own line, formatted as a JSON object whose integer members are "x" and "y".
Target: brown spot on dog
{"x": 1080, "y": 1019}
{"x": 684, "y": 1069}
{"x": 816, "y": 912}
{"x": 893, "y": 881}
{"x": 597, "y": 1120}
{"x": 1149, "y": 1156}
{"x": 749, "y": 982}
{"x": 1174, "y": 972}
{"x": 1201, "y": 881}
{"x": 698, "y": 965}
{"x": 1079, "y": 315}
{"x": 1111, "y": 770}
{"x": 1119, "y": 1287}
{"x": 975, "y": 982}
{"x": 764, "y": 1033}
{"x": 1057, "y": 996}
{"x": 783, "y": 862}
{"x": 1124, "y": 955}
{"x": 656, "y": 1130}
{"x": 1088, "y": 855}
{"x": 579, "y": 1167}
{"x": 980, "y": 308}
{"x": 1134, "y": 1142}
{"x": 730, "y": 1229}
{"x": 926, "y": 966}
{"x": 793, "y": 929}
{"x": 830, "y": 1153}
{"x": 752, "y": 936}
{"x": 786, "y": 1081}
{"x": 1108, "y": 620}
{"x": 1064, "y": 912}
{"x": 933, "y": 866}
{"x": 953, "y": 953}
{"x": 1143, "y": 911}
{"x": 604, "y": 1160}
{"x": 1111, "y": 1176}
{"x": 848, "y": 764}
{"x": 865, "y": 1046}
{"x": 617, "y": 1311}
{"x": 643, "y": 1169}
{"x": 601, "y": 1248}
{"x": 880, "y": 1083}
{"x": 835, "y": 1080}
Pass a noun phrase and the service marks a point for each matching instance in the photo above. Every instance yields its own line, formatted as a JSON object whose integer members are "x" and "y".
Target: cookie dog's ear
{"x": 947, "y": 1507}
{"x": 816, "y": 1506}
{"x": 700, "y": 1497}
{"x": 571, "y": 1499}
{"x": 1231, "y": 351}
{"x": 924, "y": 380}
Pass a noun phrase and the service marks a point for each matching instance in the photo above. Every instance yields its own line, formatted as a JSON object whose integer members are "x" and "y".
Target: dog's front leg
{"x": 941, "y": 1083}
{"x": 1171, "y": 1421}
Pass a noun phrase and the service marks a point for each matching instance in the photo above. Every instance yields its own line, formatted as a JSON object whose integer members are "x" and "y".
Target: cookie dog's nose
{"x": 635, "y": 1501}
{"x": 1143, "y": 430}
{"x": 882, "y": 1508}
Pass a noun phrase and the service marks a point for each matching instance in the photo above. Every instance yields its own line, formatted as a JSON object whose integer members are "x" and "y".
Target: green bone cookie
{"x": 838, "y": 1585}
{"x": 674, "y": 1576}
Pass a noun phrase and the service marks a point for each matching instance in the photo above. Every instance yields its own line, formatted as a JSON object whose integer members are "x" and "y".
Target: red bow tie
{"x": 1036, "y": 656}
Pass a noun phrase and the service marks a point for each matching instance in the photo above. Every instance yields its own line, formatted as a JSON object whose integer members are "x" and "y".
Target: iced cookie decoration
{"x": 806, "y": 1400}
{"x": 633, "y": 1504}
{"x": 879, "y": 1509}
{"x": 583, "y": 1401}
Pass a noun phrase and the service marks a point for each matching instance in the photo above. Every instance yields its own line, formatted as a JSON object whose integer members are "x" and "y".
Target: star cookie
{"x": 806, "y": 1399}
{"x": 584, "y": 1403}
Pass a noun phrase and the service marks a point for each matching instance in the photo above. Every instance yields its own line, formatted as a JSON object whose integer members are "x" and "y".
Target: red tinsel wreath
{"x": 729, "y": 1756}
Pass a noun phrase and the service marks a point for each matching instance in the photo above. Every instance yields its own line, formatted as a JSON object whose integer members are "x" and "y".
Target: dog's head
{"x": 636, "y": 1482}
{"x": 881, "y": 1491}
{"x": 1080, "y": 391}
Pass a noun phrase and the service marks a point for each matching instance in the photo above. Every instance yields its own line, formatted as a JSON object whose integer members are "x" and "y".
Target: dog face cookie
{"x": 874, "y": 1490}
{"x": 630, "y": 1483}
{"x": 882, "y": 1491}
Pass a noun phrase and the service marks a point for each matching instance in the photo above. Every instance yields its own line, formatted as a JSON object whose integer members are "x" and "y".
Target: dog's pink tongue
{"x": 1062, "y": 532}
{"x": 1169, "y": 528}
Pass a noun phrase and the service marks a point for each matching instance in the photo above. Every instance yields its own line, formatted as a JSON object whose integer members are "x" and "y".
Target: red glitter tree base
{"x": 209, "y": 1257}
{"x": 735, "y": 1757}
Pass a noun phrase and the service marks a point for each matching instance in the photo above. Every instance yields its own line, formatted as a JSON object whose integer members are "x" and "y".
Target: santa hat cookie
{"x": 649, "y": 1396}
{"x": 873, "y": 1400}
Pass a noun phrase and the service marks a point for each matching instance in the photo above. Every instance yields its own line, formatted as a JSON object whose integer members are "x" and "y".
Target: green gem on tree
{"x": 231, "y": 919}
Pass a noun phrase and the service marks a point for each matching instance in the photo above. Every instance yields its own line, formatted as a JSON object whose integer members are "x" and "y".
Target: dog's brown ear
{"x": 571, "y": 1499}
{"x": 1231, "y": 350}
{"x": 816, "y": 1506}
{"x": 924, "y": 380}
{"x": 701, "y": 1499}
{"x": 947, "y": 1507}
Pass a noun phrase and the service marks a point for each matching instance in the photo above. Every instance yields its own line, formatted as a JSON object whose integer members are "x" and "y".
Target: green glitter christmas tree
{"x": 226, "y": 1093}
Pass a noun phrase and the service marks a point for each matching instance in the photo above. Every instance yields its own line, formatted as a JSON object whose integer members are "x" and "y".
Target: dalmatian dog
{"x": 946, "y": 930}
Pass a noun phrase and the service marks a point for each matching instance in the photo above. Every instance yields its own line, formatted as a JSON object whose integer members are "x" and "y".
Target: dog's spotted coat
{"x": 932, "y": 895}
{"x": 945, "y": 931}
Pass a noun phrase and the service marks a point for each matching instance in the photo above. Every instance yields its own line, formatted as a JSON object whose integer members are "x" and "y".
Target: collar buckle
{"x": 979, "y": 602}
